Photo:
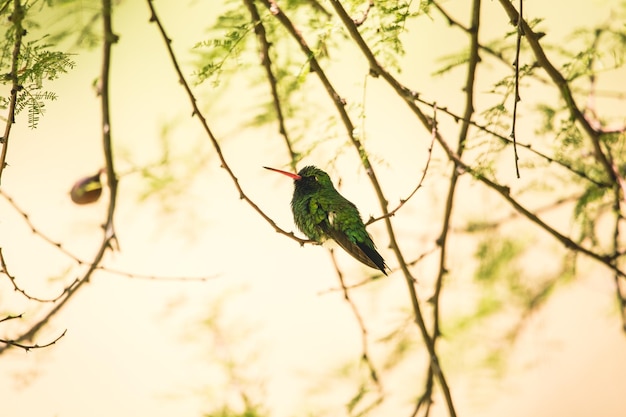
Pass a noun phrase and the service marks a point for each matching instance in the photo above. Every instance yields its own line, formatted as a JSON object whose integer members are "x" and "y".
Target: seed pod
{"x": 87, "y": 190}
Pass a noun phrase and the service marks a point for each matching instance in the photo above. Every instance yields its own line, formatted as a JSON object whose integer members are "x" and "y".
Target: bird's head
{"x": 308, "y": 180}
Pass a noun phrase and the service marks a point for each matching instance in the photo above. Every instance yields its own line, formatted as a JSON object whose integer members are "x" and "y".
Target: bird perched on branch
{"x": 321, "y": 213}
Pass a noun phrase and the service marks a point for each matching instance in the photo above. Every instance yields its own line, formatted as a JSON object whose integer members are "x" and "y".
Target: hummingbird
{"x": 321, "y": 213}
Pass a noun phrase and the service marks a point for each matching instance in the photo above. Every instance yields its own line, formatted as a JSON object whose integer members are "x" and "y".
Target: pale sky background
{"x": 137, "y": 347}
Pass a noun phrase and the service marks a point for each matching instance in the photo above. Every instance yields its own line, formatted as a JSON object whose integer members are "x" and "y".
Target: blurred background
{"x": 200, "y": 308}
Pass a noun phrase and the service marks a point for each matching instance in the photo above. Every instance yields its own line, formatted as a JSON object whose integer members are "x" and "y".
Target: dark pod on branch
{"x": 87, "y": 190}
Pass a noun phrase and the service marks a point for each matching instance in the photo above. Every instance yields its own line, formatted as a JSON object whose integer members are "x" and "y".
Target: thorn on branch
{"x": 359, "y": 22}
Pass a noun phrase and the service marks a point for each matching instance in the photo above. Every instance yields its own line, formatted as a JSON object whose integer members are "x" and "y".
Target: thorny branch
{"x": 109, "y": 235}
{"x": 4, "y": 269}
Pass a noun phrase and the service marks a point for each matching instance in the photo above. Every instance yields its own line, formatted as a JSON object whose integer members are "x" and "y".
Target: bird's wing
{"x": 349, "y": 232}
{"x": 359, "y": 250}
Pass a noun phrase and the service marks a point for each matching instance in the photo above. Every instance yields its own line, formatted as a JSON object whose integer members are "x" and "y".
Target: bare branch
{"x": 611, "y": 170}
{"x": 357, "y": 315}
{"x": 80, "y": 261}
{"x": 29, "y": 347}
{"x": 10, "y": 317}
{"x": 38, "y": 232}
{"x": 5, "y": 270}
{"x": 508, "y": 140}
{"x": 517, "y": 99}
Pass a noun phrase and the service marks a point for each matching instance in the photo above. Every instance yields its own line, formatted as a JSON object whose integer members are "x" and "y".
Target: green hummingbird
{"x": 321, "y": 213}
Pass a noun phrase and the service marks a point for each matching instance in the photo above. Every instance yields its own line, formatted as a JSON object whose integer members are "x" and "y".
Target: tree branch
{"x": 517, "y": 98}
{"x": 365, "y": 356}
{"x": 376, "y": 68}
{"x": 109, "y": 234}
{"x": 205, "y": 126}
{"x": 29, "y": 347}
{"x": 16, "y": 19}
{"x": 563, "y": 85}
{"x": 266, "y": 62}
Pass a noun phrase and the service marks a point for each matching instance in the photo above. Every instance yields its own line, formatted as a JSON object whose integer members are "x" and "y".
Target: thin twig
{"x": 29, "y": 347}
{"x": 494, "y": 224}
{"x": 620, "y": 281}
{"x": 11, "y": 317}
{"x": 5, "y": 270}
{"x": 517, "y": 99}
{"x": 456, "y": 23}
{"x": 358, "y": 22}
{"x": 80, "y": 261}
{"x": 365, "y": 356}
{"x": 38, "y": 232}
{"x": 507, "y": 140}
{"x": 420, "y": 182}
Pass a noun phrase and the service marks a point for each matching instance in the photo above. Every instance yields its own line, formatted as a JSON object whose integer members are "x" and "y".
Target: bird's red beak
{"x": 289, "y": 174}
